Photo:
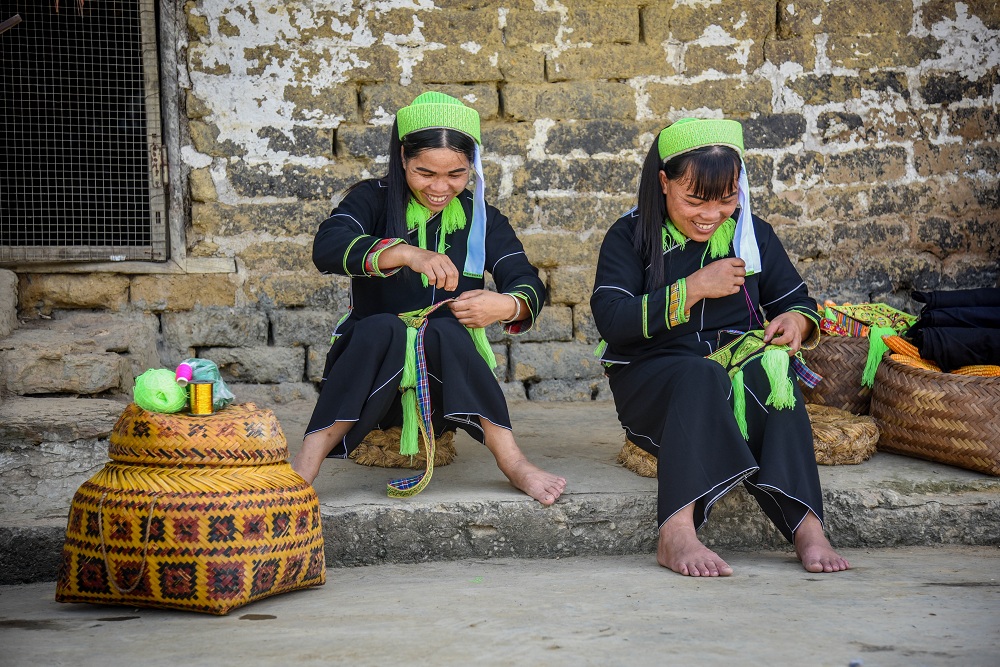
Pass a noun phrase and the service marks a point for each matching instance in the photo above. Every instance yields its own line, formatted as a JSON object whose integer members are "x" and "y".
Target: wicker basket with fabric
{"x": 840, "y": 437}
{"x": 192, "y": 513}
{"x": 381, "y": 449}
{"x": 841, "y": 362}
{"x": 941, "y": 417}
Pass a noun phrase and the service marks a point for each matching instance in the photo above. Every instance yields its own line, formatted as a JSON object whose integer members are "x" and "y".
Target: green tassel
{"x": 721, "y": 239}
{"x": 408, "y": 438}
{"x": 829, "y": 314}
{"x": 775, "y": 362}
{"x": 601, "y": 347}
{"x": 876, "y": 348}
{"x": 452, "y": 219}
{"x": 410, "y": 360}
{"x": 483, "y": 346}
{"x": 740, "y": 403}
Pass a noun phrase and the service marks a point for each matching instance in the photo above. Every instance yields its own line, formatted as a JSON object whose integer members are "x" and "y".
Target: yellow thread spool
{"x": 201, "y": 398}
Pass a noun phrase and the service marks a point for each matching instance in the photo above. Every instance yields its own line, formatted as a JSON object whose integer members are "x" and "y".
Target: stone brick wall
{"x": 872, "y": 132}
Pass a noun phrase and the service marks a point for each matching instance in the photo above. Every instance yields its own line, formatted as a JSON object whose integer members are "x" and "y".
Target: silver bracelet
{"x": 517, "y": 315}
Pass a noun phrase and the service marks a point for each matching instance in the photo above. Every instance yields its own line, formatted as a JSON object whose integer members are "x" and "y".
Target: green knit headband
{"x": 437, "y": 110}
{"x": 689, "y": 133}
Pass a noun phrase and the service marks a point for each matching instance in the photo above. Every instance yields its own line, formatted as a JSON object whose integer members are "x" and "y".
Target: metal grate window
{"x": 80, "y": 137}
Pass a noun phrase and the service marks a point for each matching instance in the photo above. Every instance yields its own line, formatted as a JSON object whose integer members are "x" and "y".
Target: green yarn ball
{"x": 157, "y": 390}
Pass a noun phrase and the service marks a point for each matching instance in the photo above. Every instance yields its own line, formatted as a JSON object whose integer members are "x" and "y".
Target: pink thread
{"x": 753, "y": 311}
{"x": 184, "y": 374}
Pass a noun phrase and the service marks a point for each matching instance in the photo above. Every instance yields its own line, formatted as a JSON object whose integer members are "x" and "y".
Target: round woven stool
{"x": 841, "y": 438}
{"x": 381, "y": 449}
{"x": 201, "y": 513}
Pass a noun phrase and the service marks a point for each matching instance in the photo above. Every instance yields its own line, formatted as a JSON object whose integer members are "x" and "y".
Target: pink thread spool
{"x": 184, "y": 374}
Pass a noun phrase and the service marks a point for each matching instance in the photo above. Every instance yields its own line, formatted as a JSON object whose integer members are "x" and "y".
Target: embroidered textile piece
{"x": 677, "y": 304}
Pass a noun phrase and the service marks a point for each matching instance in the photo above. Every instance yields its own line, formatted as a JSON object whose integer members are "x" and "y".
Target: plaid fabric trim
{"x": 371, "y": 258}
{"x": 677, "y": 304}
{"x": 809, "y": 377}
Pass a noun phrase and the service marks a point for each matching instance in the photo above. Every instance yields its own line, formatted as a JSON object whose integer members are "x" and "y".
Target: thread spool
{"x": 201, "y": 398}
{"x": 184, "y": 374}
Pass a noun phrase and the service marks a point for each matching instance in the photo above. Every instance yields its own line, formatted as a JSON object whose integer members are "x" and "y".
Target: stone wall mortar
{"x": 872, "y": 142}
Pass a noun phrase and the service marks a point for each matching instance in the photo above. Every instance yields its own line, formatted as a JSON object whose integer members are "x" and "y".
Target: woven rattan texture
{"x": 240, "y": 435}
{"x": 941, "y": 417}
{"x": 841, "y": 361}
{"x": 207, "y": 537}
{"x": 381, "y": 449}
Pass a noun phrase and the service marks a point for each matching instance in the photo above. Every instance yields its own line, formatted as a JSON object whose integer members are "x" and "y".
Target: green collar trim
{"x": 718, "y": 244}
{"x": 452, "y": 220}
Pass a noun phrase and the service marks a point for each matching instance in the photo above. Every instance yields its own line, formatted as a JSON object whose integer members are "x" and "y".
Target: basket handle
{"x": 145, "y": 547}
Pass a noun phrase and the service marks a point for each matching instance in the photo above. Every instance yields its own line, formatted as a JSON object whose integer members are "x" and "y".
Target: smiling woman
{"x": 411, "y": 351}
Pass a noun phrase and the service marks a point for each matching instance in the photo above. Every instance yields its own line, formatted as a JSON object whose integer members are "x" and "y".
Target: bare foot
{"x": 814, "y": 550}
{"x": 540, "y": 485}
{"x": 316, "y": 446}
{"x": 680, "y": 550}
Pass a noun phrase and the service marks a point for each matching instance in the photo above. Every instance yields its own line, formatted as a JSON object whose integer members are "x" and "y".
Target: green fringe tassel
{"x": 601, "y": 347}
{"x": 452, "y": 219}
{"x": 409, "y": 379}
{"x": 740, "y": 403}
{"x": 876, "y": 348}
{"x": 408, "y": 438}
{"x": 483, "y": 346}
{"x": 775, "y": 362}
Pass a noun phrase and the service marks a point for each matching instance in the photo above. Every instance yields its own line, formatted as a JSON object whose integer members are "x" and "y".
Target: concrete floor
{"x": 904, "y": 606}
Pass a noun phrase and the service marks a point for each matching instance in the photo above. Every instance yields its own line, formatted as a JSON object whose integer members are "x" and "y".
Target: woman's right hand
{"x": 438, "y": 268}
{"x": 717, "y": 279}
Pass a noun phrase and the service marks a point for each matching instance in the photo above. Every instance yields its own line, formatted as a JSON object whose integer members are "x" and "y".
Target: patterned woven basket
{"x": 193, "y": 513}
{"x": 841, "y": 362}
{"x": 381, "y": 448}
{"x": 941, "y": 417}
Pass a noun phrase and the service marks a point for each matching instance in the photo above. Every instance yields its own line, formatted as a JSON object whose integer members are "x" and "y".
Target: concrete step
{"x": 470, "y": 511}
{"x": 80, "y": 353}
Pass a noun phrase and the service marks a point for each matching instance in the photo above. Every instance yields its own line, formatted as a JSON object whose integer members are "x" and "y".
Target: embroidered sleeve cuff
{"x": 677, "y": 304}
{"x": 523, "y": 325}
{"x": 371, "y": 258}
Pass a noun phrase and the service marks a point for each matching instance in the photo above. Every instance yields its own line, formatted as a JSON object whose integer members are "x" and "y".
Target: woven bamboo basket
{"x": 936, "y": 416}
{"x": 194, "y": 513}
{"x": 841, "y": 361}
{"x": 839, "y": 438}
{"x": 381, "y": 448}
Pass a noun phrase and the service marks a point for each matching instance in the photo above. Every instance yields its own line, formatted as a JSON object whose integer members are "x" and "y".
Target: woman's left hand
{"x": 789, "y": 329}
{"x": 480, "y": 308}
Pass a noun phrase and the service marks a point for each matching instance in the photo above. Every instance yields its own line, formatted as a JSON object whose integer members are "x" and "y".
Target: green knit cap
{"x": 689, "y": 133}
{"x": 437, "y": 110}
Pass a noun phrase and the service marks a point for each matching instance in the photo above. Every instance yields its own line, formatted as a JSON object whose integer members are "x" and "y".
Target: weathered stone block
{"x": 203, "y": 61}
{"x": 303, "y": 327}
{"x": 656, "y": 22}
{"x": 975, "y": 123}
{"x": 760, "y": 168}
{"x": 292, "y": 180}
{"x": 522, "y": 64}
{"x": 850, "y": 237}
{"x": 809, "y": 17}
{"x": 843, "y": 203}
{"x": 32, "y": 371}
{"x": 795, "y": 169}
{"x": 587, "y": 175}
{"x": 555, "y": 323}
{"x": 740, "y": 21}
{"x": 213, "y": 327}
{"x": 867, "y": 165}
{"x": 8, "y": 302}
{"x": 805, "y": 241}
{"x": 571, "y": 284}
{"x": 45, "y": 292}
{"x": 731, "y": 96}
{"x": 384, "y": 100}
{"x": 548, "y": 361}
{"x": 202, "y": 186}
{"x": 298, "y": 140}
{"x": 549, "y": 249}
{"x": 526, "y": 27}
{"x": 584, "y": 328}
{"x": 939, "y": 236}
{"x": 799, "y": 50}
{"x": 480, "y": 27}
{"x": 269, "y": 256}
{"x": 196, "y": 106}
{"x": 936, "y": 11}
{"x": 182, "y": 292}
{"x": 506, "y": 138}
{"x": 363, "y": 141}
{"x": 602, "y": 24}
{"x": 565, "y": 390}
{"x": 775, "y": 207}
{"x": 593, "y": 136}
{"x": 773, "y": 131}
{"x": 578, "y": 213}
{"x": 943, "y": 159}
{"x": 827, "y": 88}
{"x": 294, "y": 290}
{"x": 597, "y": 99}
{"x": 607, "y": 61}
{"x": 725, "y": 59}
{"x": 267, "y": 395}
{"x": 259, "y": 363}
{"x": 513, "y": 392}
{"x": 456, "y": 63}
{"x": 502, "y": 370}
{"x": 316, "y": 362}
{"x": 205, "y": 139}
{"x": 852, "y": 51}
{"x": 217, "y": 219}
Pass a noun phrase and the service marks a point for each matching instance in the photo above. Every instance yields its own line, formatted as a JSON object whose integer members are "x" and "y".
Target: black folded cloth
{"x": 954, "y": 347}
{"x": 987, "y": 317}
{"x": 983, "y": 296}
